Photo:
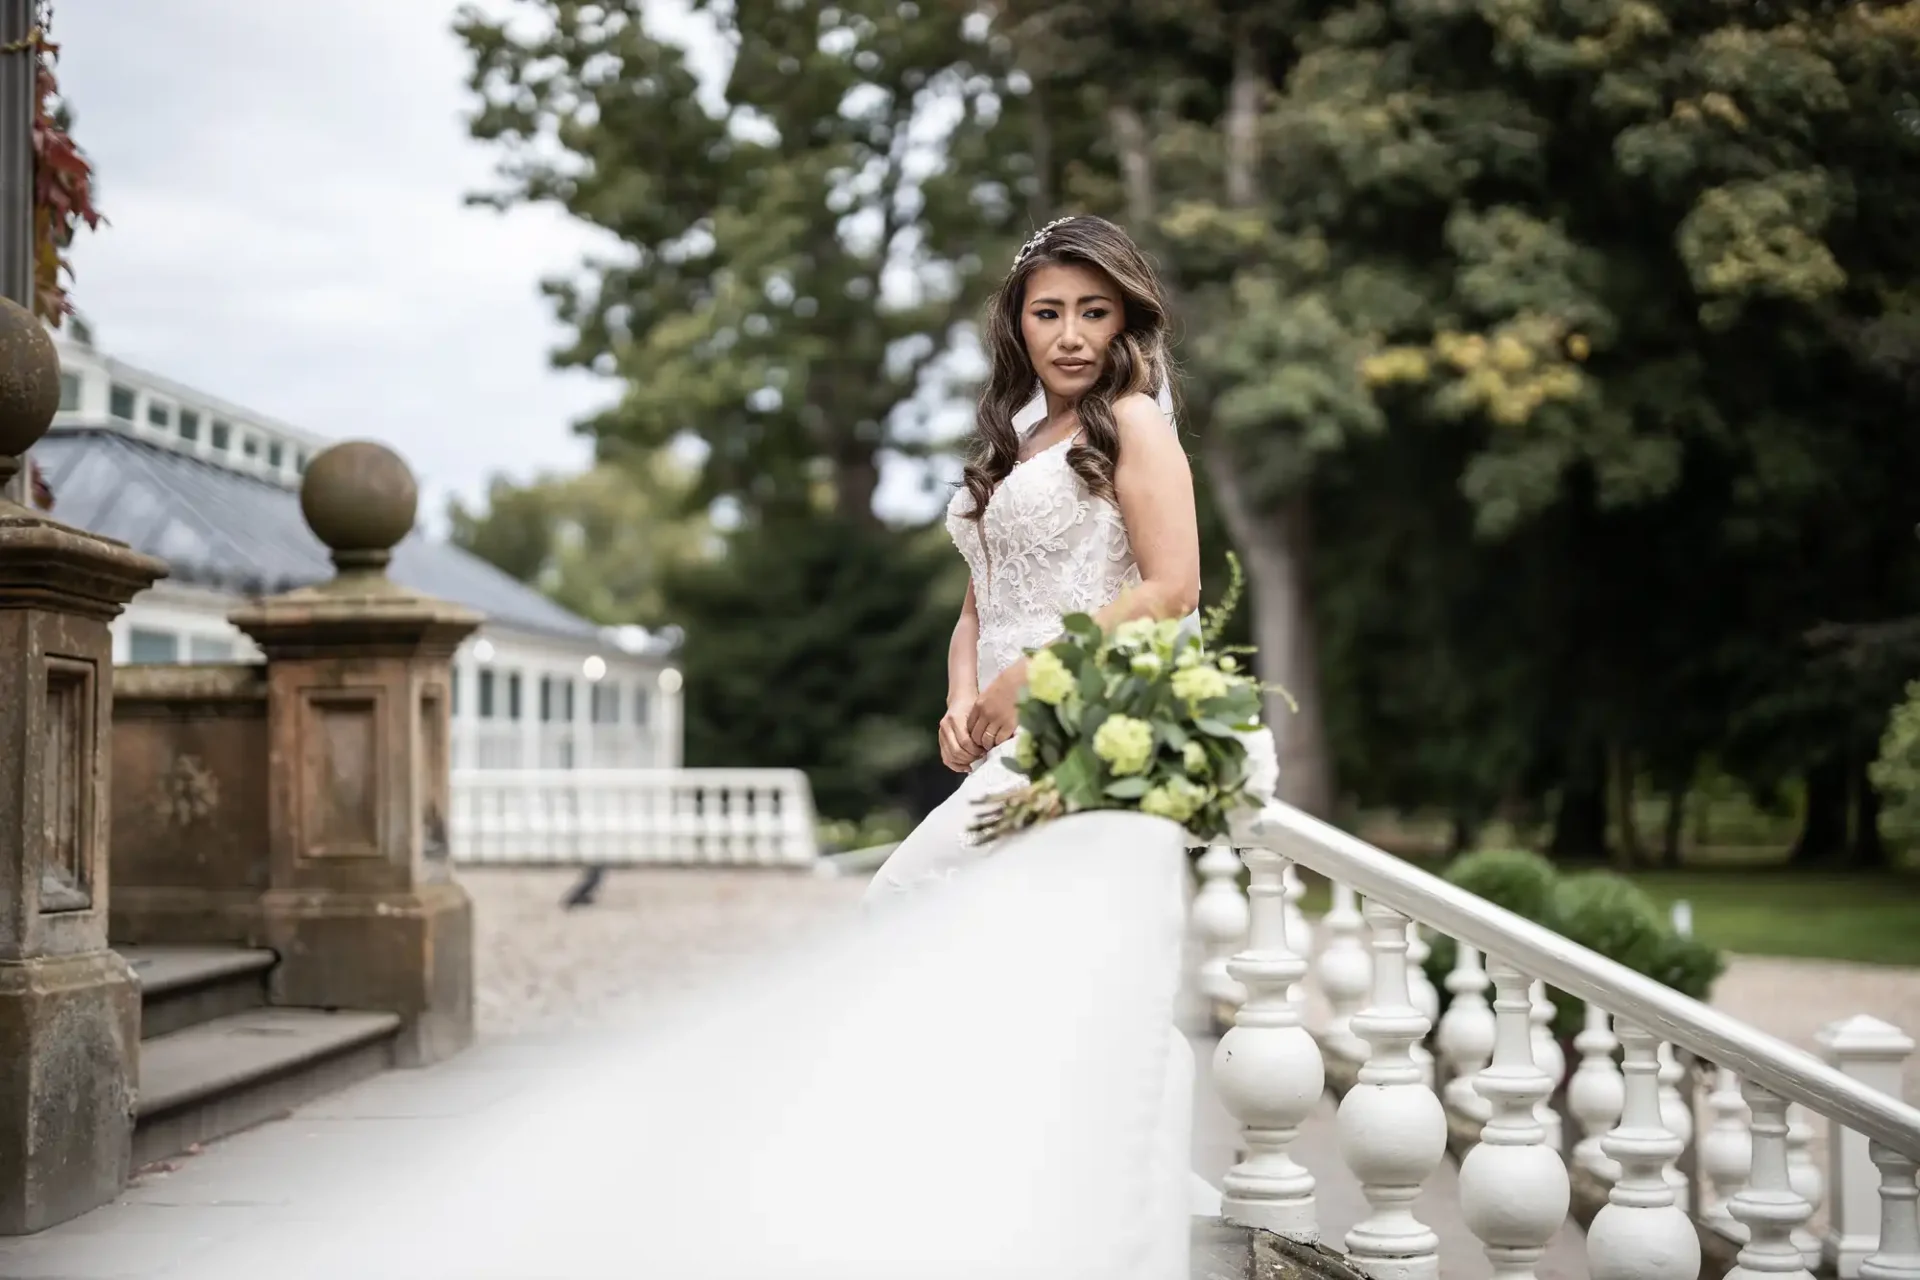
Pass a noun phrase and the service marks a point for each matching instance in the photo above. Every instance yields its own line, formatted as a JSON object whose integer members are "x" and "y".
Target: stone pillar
{"x": 361, "y": 904}
{"x": 69, "y": 1007}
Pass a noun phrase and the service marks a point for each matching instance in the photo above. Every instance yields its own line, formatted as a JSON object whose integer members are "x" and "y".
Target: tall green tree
{"x": 799, "y": 242}
{"x": 604, "y": 543}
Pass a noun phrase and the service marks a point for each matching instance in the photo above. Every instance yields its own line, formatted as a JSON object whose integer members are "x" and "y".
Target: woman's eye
{"x": 1046, "y": 313}
{"x": 1098, "y": 313}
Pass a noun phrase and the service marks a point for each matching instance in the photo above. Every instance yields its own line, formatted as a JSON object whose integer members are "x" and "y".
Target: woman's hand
{"x": 996, "y": 713}
{"x": 957, "y": 751}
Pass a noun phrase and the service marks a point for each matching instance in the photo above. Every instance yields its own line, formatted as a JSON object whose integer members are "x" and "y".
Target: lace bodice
{"x": 1046, "y": 548}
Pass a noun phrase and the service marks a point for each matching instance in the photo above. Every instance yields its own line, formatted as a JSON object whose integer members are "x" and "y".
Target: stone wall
{"x": 189, "y": 831}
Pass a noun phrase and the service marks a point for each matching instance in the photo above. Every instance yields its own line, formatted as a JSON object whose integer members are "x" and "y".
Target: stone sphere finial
{"x": 360, "y": 499}
{"x": 29, "y": 384}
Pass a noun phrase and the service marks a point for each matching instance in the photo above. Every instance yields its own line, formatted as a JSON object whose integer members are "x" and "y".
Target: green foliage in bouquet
{"x": 1150, "y": 717}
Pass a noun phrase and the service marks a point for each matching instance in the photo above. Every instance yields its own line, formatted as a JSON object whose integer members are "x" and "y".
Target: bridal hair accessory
{"x": 1037, "y": 239}
{"x": 1152, "y": 717}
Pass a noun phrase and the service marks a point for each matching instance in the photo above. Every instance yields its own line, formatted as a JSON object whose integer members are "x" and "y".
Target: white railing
{"x": 633, "y": 817}
{"x": 1494, "y": 1067}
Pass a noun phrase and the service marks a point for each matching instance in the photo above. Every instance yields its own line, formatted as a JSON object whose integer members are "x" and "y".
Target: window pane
{"x": 159, "y": 414}
{"x": 453, "y": 691}
{"x": 274, "y": 454}
{"x": 152, "y": 646}
{"x": 189, "y": 425}
{"x": 641, "y": 706}
{"x": 566, "y": 705}
{"x": 546, "y": 699}
{"x": 69, "y": 392}
{"x": 513, "y": 695}
{"x": 250, "y": 447}
{"x": 209, "y": 649}
{"x": 486, "y": 695}
{"x": 222, "y": 434}
{"x": 120, "y": 402}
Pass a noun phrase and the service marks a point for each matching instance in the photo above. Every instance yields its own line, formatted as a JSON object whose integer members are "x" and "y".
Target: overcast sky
{"x": 284, "y": 184}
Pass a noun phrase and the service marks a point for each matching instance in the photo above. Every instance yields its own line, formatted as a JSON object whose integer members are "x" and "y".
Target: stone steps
{"x": 216, "y": 1059}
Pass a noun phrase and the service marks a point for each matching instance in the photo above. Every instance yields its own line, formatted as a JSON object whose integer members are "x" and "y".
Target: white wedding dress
{"x": 1046, "y": 547}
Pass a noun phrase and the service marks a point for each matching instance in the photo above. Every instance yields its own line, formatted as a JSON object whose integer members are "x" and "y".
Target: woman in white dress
{"x": 1085, "y": 506}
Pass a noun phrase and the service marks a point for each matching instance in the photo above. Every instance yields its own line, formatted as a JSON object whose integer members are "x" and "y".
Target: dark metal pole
{"x": 17, "y": 75}
{"x": 19, "y": 60}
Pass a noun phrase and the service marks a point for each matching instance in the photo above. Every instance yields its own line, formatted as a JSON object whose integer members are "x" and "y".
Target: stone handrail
{"x": 1548, "y": 957}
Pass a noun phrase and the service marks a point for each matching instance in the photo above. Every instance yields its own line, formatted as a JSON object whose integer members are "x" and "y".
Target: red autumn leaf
{"x": 62, "y": 195}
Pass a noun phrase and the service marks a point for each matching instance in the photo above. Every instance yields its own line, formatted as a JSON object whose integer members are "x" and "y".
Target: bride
{"x": 1087, "y": 509}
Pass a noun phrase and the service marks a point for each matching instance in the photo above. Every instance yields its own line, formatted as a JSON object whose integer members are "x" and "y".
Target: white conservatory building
{"x": 213, "y": 490}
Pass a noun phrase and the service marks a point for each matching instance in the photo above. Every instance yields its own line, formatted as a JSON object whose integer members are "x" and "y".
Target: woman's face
{"x": 1069, "y": 316}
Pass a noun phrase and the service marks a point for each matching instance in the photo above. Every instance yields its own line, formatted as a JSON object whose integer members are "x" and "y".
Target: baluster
{"x": 1427, "y": 1000}
{"x": 1898, "y": 1254}
{"x": 1676, "y": 1109}
{"x": 1725, "y": 1151}
{"x": 1641, "y": 1233}
{"x": 1514, "y": 1190}
{"x": 1345, "y": 972}
{"x": 1597, "y": 1093}
{"x": 1467, "y": 1034}
{"x": 1267, "y": 1068}
{"x": 1804, "y": 1176}
{"x": 1551, "y": 1059}
{"x": 1393, "y": 1131}
{"x": 1220, "y": 922}
{"x": 1768, "y": 1206}
{"x": 1874, "y": 1053}
{"x": 1299, "y": 931}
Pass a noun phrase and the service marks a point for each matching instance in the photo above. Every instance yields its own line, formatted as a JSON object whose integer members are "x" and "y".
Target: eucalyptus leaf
{"x": 1128, "y": 788}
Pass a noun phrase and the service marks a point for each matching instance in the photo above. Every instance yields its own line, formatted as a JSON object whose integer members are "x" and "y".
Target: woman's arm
{"x": 957, "y": 748}
{"x": 1153, "y": 486}
{"x": 963, "y": 653}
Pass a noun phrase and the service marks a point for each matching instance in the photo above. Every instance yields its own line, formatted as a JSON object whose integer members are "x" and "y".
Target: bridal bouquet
{"x": 1150, "y": 717}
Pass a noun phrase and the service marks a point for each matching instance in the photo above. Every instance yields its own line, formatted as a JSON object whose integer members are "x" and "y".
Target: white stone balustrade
{"x": 1641, "y": 1233}
{"x": 1393, "y": 1131}
{"x": 1551, "y": 1059}
{"x": 1768, "y": 1206}
{"x": 1804, "y": 1176}
{"x": 1514, "y": 1191}
{"x": 1896, "y": 1254}
{"x": 1467, "y": 1033}
{"x": 1754, "y": 1179}
{"x": 1345, "y": 970}
{"x": 1267, "y": 1067}
{"x": 1220, "y": 921}
{"x": 1597, "y": 1093}
{"x": 1875, "y": 1054}
{"x": 1725, "y": 1152}
{"x": 632, "y": 817}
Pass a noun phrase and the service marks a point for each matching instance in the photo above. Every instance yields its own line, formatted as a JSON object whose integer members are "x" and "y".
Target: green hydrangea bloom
{"x": 1124, "y": 743}
{"x": 1048, "y": 678}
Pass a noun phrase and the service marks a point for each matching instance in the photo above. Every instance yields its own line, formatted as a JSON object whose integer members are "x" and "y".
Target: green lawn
{"x": 1768, "y": 911}
{"x": 1870, "y": 918}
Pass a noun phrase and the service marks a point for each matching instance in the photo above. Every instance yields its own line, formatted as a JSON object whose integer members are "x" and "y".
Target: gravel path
{"x": 652, "y": 933}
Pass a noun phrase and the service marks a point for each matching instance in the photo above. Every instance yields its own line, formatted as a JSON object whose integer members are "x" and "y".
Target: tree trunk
{"x": 1276, "y": 551}
{"x": 1823, "y": 831}
{"x": 1868, "y": 848}
{"x": 1628, "y": 853}
{"x": 1580, "y": 819}
{"x": 1675, "y": 827}
{"x": 855, "y": 480}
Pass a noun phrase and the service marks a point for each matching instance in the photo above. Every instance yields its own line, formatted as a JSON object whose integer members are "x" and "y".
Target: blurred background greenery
{"x": 1553, "y": 370}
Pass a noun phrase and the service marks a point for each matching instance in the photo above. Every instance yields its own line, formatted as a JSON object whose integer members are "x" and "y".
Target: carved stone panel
{"x": 66, "y": 774}
{"x": 431, "y": 780}
{"x": 343, "y": 774}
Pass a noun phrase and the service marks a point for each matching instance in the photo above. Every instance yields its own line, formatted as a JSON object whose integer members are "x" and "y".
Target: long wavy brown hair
{"x": 1137, "y": 360}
